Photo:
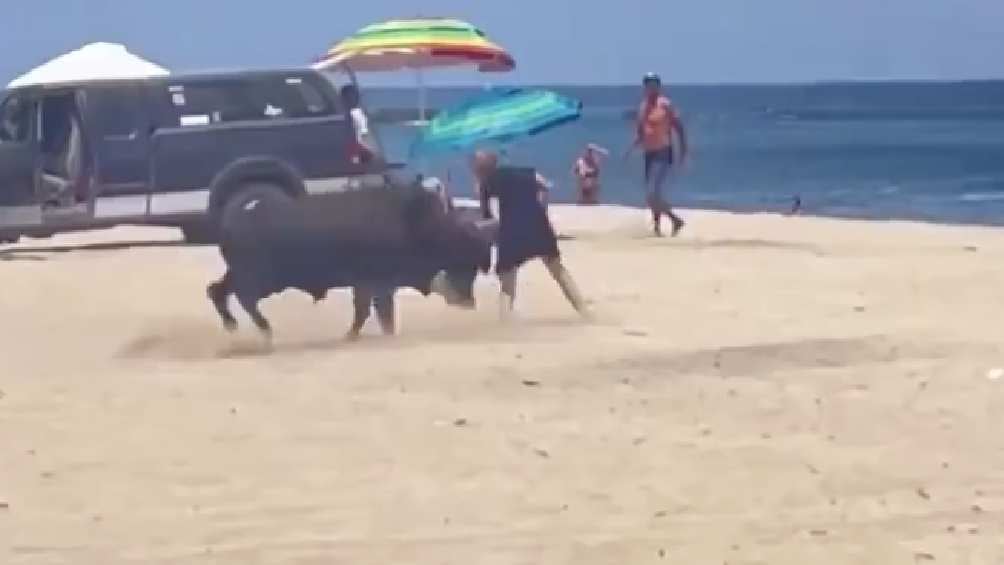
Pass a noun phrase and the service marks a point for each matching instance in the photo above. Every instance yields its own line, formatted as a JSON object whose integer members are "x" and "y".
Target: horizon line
{"x": 821, "y": 82}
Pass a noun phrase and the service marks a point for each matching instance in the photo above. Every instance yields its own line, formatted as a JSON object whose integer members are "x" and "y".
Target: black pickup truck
{"x": 169, "y": 151}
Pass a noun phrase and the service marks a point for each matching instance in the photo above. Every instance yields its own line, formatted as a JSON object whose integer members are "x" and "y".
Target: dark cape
{"x": 524, "y": 232}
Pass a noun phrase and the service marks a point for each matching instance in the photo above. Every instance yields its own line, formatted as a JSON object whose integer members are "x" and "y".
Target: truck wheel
{"x": 247, "y": 193}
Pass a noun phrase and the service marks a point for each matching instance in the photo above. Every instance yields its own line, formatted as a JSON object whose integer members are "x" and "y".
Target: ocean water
{"x": 921, "y": 151}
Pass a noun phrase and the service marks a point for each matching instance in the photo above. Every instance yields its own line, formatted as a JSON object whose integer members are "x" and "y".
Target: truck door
{"x": 19, "y": 205}
{"x": 119, "y": 127}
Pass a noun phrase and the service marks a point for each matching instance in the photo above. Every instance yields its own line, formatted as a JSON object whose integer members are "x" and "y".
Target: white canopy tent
{"x": 95, "y": 61}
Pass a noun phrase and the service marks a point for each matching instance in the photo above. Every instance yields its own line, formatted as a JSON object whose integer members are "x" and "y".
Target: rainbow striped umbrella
{"x": 496, "y": 117}
{"x": 418, "y": 44}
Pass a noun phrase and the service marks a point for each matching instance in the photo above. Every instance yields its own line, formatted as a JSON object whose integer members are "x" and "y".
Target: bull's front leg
{"x": 361, "y": 299}
{"x": 218, "y": 293}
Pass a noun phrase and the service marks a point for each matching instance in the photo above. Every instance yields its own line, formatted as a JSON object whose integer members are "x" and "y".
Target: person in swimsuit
{"x": 524, "y": 230}
{"x": 657, "y": 119}
{"x": 587, "y": 173}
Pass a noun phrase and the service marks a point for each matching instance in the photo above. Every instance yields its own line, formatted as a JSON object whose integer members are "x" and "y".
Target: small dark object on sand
{"x": 921, "y": 492}
{"x": 531, "y": 383}
{"x": 460, "y": 422}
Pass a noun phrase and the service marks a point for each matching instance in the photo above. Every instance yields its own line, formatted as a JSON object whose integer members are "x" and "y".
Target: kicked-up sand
{"x": 763, "y": 389}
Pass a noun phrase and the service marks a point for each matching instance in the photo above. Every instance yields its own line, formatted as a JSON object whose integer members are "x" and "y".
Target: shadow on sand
{"x": 37, "y": 253}
{"x": 195, "y": 342}
{"x": 700, "y": 244}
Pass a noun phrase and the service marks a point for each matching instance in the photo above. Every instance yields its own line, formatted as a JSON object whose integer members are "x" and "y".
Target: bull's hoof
{"x": 352, "y": 335}
{"x": 230, "y": 325}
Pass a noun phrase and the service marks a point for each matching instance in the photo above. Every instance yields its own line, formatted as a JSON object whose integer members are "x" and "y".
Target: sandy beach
{"x": 763, "y": 389}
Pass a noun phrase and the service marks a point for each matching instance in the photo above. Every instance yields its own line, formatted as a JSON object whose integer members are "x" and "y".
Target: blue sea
{"x": 919, "y": 151}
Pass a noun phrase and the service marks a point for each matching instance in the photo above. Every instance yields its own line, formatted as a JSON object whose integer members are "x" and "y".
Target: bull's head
{"x": 457, "y": 287}
{"x": 470, "y": 254}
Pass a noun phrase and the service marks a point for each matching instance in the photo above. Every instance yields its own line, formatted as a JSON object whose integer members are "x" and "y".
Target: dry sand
{"x": 763, "y": 389}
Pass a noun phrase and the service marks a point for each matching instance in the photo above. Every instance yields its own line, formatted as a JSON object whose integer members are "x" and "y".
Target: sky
{"x": 553, "y": 41}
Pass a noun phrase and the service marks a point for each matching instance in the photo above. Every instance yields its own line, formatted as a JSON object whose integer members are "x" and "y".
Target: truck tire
{"x": 243, "y": 195}
{"x": 206, "y": 231}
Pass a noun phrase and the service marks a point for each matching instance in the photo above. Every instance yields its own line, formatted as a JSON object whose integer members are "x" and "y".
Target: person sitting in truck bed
{"x": 365, "y": 142}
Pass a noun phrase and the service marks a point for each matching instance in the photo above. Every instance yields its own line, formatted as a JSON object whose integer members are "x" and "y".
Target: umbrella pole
{"x": 421, "y": 95}
{"x": 421, "y": 112}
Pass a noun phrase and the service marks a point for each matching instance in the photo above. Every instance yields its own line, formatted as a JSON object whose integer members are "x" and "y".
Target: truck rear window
{"x": 202, "y": 103}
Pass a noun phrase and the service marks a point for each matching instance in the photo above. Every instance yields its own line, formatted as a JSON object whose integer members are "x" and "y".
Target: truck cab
{"x": 170, "y": 150}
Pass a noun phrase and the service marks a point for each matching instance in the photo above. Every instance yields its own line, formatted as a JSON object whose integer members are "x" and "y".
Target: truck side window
{"x": 118, "y": 111}
{"x": 15, "y": 120}
{"x": 305, "y": 99}
{"x": 248, "y": 100}
{"x": 215, "y": 101}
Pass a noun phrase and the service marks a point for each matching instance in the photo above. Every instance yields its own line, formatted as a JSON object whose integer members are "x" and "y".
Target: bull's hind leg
{"x": 383, "y": 302}
{"x": 218, "y": 293}
{"x": 361, "y": 299}
{"x": 249, "y": 302}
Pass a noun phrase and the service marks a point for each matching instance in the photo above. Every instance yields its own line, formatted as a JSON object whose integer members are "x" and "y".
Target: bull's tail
{"x": 218, "y": 293}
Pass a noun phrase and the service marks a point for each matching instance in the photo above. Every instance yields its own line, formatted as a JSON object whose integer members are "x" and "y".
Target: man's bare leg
{"x": 567, "y": 284}
{"x": 507, "y": 296}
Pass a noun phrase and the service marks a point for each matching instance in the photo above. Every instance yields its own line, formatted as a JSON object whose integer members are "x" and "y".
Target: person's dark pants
{"x": 657, "y": 166}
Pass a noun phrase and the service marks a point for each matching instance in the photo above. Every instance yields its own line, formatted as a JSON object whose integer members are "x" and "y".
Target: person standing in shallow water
{"x": 524, "y": 230}
{"x": 587, "y": 172}
{"x": 657, "y": 120}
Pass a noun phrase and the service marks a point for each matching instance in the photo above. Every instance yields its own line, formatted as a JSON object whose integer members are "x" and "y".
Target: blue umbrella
{"x": 495, "y": 117}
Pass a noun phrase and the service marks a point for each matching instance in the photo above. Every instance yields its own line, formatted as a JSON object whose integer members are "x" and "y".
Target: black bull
{"x": 367, "y": 240}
